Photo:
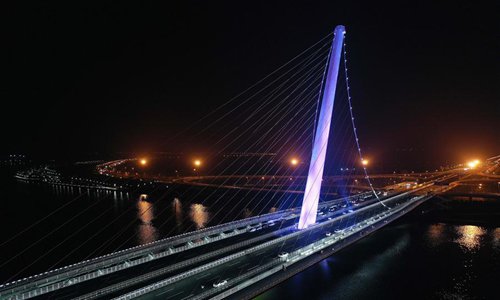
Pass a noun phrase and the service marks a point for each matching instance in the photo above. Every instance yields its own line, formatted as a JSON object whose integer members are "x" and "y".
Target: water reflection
{"x": 373, "y": 266}
{"x": 199, "y": 215}
{"x": 435, "y": 233}
{"x": 145, "y": 213}
{"x": 470, "y": 236}
{"x": 247, "y": 213}
{"x": 177, "y": 208}
{"x": 496, "y": 237}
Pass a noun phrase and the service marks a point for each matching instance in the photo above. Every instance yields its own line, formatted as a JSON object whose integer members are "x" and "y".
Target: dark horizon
{"x": 85, "y": 79}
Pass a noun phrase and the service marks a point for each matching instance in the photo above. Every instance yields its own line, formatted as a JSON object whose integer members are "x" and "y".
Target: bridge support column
{"x": 317, "y": 164}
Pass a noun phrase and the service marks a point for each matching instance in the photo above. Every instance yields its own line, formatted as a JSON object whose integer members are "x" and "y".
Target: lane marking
{"x": 175, "y": 295}
{"x": 165, "y": 292}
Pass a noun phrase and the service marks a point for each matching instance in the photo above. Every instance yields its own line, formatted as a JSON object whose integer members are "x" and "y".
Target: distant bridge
{"x": 471, "y": 195}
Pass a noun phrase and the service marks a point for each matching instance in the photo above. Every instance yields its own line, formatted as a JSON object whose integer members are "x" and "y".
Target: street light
{"x": 473, "y": 164}
{"x": 197, "y": 162}
{"x": 294, "y": 161}
{"x": 143, "y": 161}
{"x": 364, "y": 162}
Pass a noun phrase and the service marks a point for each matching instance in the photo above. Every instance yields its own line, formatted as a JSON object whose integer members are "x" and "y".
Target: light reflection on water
{"x": 177, "y": 208}
{"x": 496, "y": 237}
{"x": 374, "y": 267}
{"x": 199, "y": 215}
{"x": 470, "y": 236}
{"x": 145, "y": 213}
{"x": 420, "y": 261}
{"x": 435, "y": 233}
{"x": 247, "y": 213}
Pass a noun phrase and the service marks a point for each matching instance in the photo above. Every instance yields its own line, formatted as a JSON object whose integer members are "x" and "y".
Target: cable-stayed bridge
{"x": 243, "y": 257}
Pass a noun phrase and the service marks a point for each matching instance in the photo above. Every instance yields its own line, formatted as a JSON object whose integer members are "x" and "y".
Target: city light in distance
{"x": 474, "y": 163}
{"x": 143, "y": 161}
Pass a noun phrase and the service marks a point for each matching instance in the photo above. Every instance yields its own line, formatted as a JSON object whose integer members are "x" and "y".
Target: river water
{"x": 44, "y": 227}
{"x": 406, "y": 260}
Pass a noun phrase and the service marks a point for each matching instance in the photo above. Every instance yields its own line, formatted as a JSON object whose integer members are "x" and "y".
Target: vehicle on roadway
{"x": 328, "y": 234}
{"x": 220, "y": 283}
{"x": 283, "y": 255}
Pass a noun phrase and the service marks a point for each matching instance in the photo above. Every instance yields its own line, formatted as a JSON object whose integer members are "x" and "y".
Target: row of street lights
{"x": 294, "y": 161}
{"x": 197, "y": 162}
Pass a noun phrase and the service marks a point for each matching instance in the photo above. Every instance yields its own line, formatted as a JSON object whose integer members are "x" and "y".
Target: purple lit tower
{"x": 317, "y": 164}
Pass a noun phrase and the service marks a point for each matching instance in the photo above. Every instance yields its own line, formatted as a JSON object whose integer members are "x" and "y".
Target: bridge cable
{"x": 344, "y": 52}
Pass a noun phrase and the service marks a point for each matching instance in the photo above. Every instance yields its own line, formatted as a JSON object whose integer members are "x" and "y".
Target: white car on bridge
{"x": 220, "y": 283}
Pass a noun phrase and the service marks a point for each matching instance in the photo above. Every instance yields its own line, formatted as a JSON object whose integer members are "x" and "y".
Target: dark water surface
{"x": 407, "y": 260}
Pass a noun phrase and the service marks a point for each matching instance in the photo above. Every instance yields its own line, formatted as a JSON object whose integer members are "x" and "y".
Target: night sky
{"x": 107, "y": 78}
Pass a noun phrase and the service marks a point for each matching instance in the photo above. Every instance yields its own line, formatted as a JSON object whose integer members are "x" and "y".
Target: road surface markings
{"x": 165, "y": 292}
{"x": 190, "y": 295}
{"x": 175, "y": 295}
{"x": 204, "y": 275}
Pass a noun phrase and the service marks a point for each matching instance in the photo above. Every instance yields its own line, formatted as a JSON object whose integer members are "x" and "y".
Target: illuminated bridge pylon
{"x": 313, "y": 186}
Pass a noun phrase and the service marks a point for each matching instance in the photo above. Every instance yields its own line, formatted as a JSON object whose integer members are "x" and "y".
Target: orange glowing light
{"x": 473, "y": 164}
{"x": 143, "y": 161}
{"x": 364, "y": 162}
{"x": 294, "y": 161}
{"x": 197, "y": 162}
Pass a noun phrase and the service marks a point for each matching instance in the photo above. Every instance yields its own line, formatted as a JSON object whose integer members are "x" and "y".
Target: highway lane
{"x": 114, "y": 278}
{"x": 198, "y": 283}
